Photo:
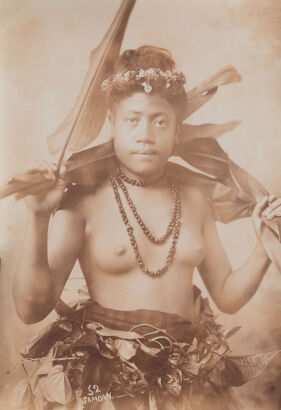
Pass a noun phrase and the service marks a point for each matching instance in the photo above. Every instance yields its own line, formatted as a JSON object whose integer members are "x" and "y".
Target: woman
{"x": 138, "y": 236}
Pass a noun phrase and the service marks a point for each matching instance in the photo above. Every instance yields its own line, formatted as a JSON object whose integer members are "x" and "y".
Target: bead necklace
{"x": 169, "y": 230}
{"x": 135, "y": 182}
{"x": 130, "y": 231}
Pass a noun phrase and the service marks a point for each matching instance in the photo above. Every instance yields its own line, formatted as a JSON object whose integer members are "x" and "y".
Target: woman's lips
{"x": 145, "y": 153}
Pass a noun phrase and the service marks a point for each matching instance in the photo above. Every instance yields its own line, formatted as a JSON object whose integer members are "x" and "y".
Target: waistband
{"x": 143, "y": 320}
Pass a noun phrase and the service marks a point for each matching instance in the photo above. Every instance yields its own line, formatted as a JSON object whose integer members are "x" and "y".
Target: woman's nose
{"x": 145, "y": 133}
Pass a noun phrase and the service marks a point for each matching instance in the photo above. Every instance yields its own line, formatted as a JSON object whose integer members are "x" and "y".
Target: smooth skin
{"x": 145, "y": 130}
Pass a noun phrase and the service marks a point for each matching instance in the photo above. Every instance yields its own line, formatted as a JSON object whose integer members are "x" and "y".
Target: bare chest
{"x": 108, "y": 248}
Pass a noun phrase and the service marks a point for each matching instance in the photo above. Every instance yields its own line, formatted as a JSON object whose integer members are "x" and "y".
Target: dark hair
{"x": 146, "y": 57}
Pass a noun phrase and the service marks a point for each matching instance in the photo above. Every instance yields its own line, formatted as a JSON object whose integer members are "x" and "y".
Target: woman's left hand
{"x": 268, "y": 207}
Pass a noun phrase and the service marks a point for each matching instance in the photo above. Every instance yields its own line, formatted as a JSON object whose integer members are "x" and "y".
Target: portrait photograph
{"x": 140, "y": 205}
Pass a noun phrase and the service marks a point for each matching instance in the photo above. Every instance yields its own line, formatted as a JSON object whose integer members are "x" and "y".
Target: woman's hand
{"x": 268, "y": 207}
{"x": 44, "y": 200}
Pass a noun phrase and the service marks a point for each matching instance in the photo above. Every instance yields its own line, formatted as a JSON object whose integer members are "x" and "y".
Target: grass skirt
{"x": 98, "y": 358}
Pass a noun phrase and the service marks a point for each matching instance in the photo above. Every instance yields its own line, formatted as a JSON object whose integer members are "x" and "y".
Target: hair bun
{"x": 147, "y": 69}
{"x": 144, "y": 57}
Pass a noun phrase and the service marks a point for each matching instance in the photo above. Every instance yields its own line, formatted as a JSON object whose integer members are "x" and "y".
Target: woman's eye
{"x": 160, "y": 123}
{"x": 132, "y": 120}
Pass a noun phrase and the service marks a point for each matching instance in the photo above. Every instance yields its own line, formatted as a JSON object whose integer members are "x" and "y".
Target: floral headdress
{"x": 147, "y": 78}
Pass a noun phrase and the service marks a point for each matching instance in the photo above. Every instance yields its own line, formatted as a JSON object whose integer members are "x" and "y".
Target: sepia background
{"x": 45, "y": 47}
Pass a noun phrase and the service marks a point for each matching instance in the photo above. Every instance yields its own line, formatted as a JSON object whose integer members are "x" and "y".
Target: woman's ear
{"x": 177, "y": 137}
{"x": 111, "y": 119}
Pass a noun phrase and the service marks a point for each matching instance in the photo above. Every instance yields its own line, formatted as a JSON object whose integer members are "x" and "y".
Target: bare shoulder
{"x": 194, "y": 198}
{"x": 193, "y": 194}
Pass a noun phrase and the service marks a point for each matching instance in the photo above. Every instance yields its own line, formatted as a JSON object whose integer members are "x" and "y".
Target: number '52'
{"x": 93, "y": 389}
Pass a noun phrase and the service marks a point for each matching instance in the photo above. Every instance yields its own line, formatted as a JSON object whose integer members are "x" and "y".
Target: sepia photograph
{"x": 140, "y": 205}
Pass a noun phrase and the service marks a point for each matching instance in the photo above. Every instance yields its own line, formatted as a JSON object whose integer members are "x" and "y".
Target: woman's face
{"x": 144, "y": 129}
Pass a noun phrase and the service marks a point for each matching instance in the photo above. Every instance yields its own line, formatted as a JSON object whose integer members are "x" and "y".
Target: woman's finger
{"x": 273, "y": 206}
{"x": 260, "y": 206}
{"x": 51, "y": 169}
{"x": 276, "y": 212}
{"x": 37, "y": 189}
{"x": 271, "y": 198}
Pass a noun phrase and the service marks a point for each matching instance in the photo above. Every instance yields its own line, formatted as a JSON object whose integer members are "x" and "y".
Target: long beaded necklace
{"x": 157, "y": 240}
{"x": 175, "y": 230}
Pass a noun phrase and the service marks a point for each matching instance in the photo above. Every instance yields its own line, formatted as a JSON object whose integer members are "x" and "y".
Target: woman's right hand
{"x": 45, "y": 199}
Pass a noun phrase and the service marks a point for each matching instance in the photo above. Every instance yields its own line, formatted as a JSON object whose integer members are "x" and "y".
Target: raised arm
{"x": 46, "y": 259}
{"x": 230, "y": 289}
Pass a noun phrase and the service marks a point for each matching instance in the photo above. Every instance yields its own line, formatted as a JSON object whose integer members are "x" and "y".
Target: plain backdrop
{"x": 45, "y": 47}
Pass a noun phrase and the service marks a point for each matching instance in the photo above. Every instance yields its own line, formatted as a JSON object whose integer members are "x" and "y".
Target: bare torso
{"x": 108, "y": 260}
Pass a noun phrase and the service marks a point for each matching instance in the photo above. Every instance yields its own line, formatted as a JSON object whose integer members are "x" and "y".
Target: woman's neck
{"x": 157, "y": 179}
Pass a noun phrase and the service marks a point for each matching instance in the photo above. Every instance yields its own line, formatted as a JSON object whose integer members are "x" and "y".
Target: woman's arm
{"x": 232, "y": 289}
{"x": 46, "y": 259}
{"x": 45, "y": 262}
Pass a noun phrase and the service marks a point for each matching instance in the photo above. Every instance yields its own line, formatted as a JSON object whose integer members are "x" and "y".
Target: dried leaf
{"x": 106, "y": 347}
{"x": 43, "y": 366}
{"x": 38, "y": 378}
{"x": 118, "y": 333}
{"x": 172, "y": 382}
{"x": 175, "y": 358}
{"x": 62, "y": 309}
{"x": 74, "y": 372}
{"x": 110, "y": 343}
{"x": 232, "y": 331}
{"x": 189, "y": 131}
{"x": 39, "y": 388}
{"x": 58, "y": 388}
{"x": 88, "y": 339}
{"x": 94, "y": 326}
{"x": 107, "y": 405}
{"x": 41, "y": 344}
{"x": 214, "y": 361}
{"x": 152, "y": 402}
{"x": 125, "y": 349}
{"x": 21, "y": 396}
{"x": 193, "y": 346}
{"x": 152, "y": 351}
{"x": 190, "y": 365}
{"x": 65, "y": 325}
{"x": 240, "y": 369}
{"x": 200, "y": 94}
{"x": 85, "y": 120}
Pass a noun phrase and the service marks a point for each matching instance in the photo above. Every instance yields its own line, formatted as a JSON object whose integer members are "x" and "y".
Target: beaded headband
{"x": 147, "y": 77}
